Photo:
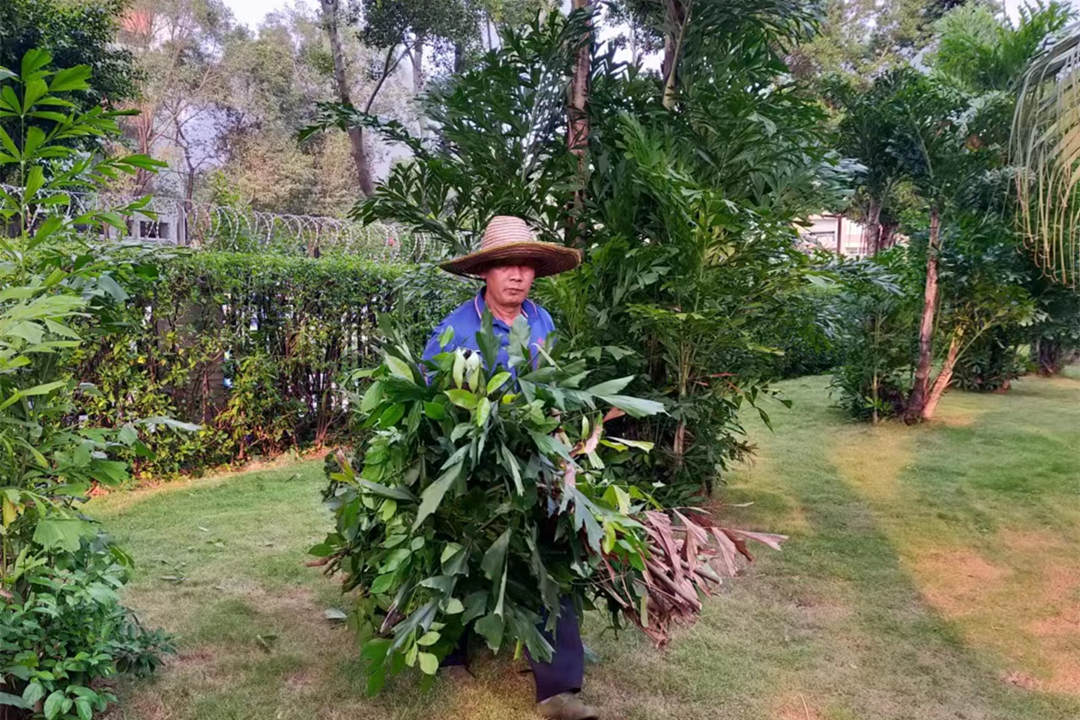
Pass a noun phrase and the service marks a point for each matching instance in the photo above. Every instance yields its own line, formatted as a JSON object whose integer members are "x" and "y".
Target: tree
{"x": 80, "y": 33}
{"x": 1045, "y": 135}
{"x": 331, "y": 15}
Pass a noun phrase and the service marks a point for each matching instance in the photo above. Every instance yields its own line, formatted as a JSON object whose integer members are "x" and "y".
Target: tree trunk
{"x": 416, "y": 59}
{"x": 459, "y": 57}
{"x": 917, "y": 399}
{"x": 886, "y": 235}
{"x": 677, "y": 18}
{"x": 873, "y": 228}
{"x": 1049, "y": 356}
{"x": 356, "y": 135}
{"x": 941, "y": 383}
{"x": 577, "y": 123}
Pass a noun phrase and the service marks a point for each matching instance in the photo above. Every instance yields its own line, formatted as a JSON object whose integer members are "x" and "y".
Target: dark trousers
{"x": 565, "y": 672}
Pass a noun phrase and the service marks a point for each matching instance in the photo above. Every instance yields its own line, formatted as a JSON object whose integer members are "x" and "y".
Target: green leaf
{"x": 490, "y": 627}
{"x": 15, "y": 701}
{"x": 53, "y": 704}
{"x": 462, "y": 398}
{"x": 497, "y": 381}
{"x": 494, "y": 561}
{"x": 33, "y": 692}
{"x": 511, "y": 462}
{"x": 639, "y": 444}
{"x": 72, "y": 78}
{"x": 34, "y": 60}
{"x": 35, "y": 90}
{"x": 487, "y": 342}
{"x": 7, "y": 142}
{"x": 483, "y": 410}
{"x": 372, "y": 397}
{"x": 550, "y": 446}
{"x": 391, "y": 415}
{"x": 398, "y": 367}
{"x": 34, "y": 180}
{"x": 433, "y": 494}
{"x": 434, "y": 410}
{"x": 632, "y": 406}
{"x": 429, "y": 664}
{"x": 428, "y": 638}
{"x": 60, "y": 533}
{"x": 611, "y": 387}
{"x": 83, "y": 709}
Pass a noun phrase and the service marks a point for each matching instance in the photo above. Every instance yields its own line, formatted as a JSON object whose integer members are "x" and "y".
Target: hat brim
{"x": 545, "y": 258}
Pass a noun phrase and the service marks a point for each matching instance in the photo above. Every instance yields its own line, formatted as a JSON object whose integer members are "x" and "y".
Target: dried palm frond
{"x": 687, "y": 559}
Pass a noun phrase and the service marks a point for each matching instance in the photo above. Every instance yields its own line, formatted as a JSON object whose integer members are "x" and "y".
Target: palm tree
{"x": 1045, "y": 147}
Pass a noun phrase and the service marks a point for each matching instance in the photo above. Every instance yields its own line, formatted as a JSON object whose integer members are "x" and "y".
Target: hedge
{"x": 250, "y": 347}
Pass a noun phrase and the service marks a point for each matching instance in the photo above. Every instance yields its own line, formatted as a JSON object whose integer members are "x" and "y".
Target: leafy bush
{"x": 61, "y": 625}
{"x": 992, "y": 362}
{"x": 483, "y": 498}
{"x": 874, "y": 330}
{"x": 251, "y": 346}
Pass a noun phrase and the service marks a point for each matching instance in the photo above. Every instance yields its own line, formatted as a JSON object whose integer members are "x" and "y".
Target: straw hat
{"x": 509, "y": 240}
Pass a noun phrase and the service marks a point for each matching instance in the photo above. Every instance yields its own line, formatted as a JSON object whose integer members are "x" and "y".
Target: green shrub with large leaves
{"x": 61, "y": 626}
{"x": 481, "y": 498}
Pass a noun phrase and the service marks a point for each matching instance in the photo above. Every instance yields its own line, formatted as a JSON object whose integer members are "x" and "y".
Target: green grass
{"x": 932, "y": 572}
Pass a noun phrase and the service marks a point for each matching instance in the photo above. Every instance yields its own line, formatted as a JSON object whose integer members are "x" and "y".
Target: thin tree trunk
{"x": 577, "y": 113}
{"x": 941, "y": 383}
{"x": 917, "y": 399}
{"x": 1049, "y": 356}
{"x": 356, "y": 135}
{"x": 677, "y": 20}
{"x": 873, "y": 228}
{"x": 416, "y": 59}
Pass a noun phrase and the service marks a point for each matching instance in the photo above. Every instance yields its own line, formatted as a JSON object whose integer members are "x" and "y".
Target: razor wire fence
{"x": 177, "y": 221}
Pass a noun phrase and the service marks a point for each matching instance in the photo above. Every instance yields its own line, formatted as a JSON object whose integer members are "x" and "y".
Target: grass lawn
{"x": 932, "y": 572}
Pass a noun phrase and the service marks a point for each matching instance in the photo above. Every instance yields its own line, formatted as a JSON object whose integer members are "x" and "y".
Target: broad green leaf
{"x": 34, "y": 91}
{"x": 511, "y": 463}
{"x": 429, "y": 664}
{"x": 433, "y": 494}
{"x": 34, "y": 180}
{"x": 15, "y": 701}
{"x": 434, "y": 410}
{"x": 610, "y": 387}
{"x": 372, "y": 397}
{"x": 391, "y": 415}
{"x": 33, "y": 60}
{"x": 83, "y": 709}
{"x": 8, "y": 144}
{"x": 398, "y": 367}
{"x": 462, "y": 398}
{"x": 494, "y": 561}
{"x": 72, "y": 78}
{"x": 428, "y": 638}
{"x": 550, "y": 446}
{"x": 53, "y": 704}
{"x": 490, "y": 627}
{"x": 487, "y": 342}
{"x": 483, "y": 410}
{"x": 497, "y": 381}
{"x": 632, "y": 406}
{"x": 33, "y": 692}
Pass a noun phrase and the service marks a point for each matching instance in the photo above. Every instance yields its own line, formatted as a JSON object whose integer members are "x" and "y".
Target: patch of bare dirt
{"x": 796, "y": 707}
{"x": 1022, "y": 680}
{"x": 956, "y": 581}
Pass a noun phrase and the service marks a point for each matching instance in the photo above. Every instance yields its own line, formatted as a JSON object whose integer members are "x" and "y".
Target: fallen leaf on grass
{"x": 335, "y": 614}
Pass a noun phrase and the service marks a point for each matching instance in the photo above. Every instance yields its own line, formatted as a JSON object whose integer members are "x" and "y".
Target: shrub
{"x": 61, "y": 624}
{"x": 251, "y": 346}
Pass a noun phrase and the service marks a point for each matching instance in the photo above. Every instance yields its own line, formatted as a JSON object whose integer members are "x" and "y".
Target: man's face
{"x": 509, "y": 284}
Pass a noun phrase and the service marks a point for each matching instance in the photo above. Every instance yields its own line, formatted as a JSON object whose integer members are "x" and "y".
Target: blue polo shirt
{"x": 466, "y": 321}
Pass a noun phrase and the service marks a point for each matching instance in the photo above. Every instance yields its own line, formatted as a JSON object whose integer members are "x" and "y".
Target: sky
{"x": 252, "y": 12}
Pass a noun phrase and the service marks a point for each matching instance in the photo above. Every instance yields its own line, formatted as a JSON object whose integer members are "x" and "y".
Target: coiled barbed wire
{"x": 177, "y": 221}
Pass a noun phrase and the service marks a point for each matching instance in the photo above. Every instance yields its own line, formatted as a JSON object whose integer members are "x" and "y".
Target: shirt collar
{"x": 480, "y": 306}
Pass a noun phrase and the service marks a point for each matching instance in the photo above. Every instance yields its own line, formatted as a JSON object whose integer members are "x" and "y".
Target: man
{"x": 508, "y": 261}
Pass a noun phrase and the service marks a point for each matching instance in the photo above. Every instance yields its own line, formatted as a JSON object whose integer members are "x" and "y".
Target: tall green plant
{"x": 56, "y": 568}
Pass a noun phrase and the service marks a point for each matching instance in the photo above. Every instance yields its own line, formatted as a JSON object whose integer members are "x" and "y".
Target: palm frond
{"x": 1046, "y": 147}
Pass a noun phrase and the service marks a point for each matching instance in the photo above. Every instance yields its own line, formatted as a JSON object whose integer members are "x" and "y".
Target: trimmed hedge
{"x": 250, "y": 347}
